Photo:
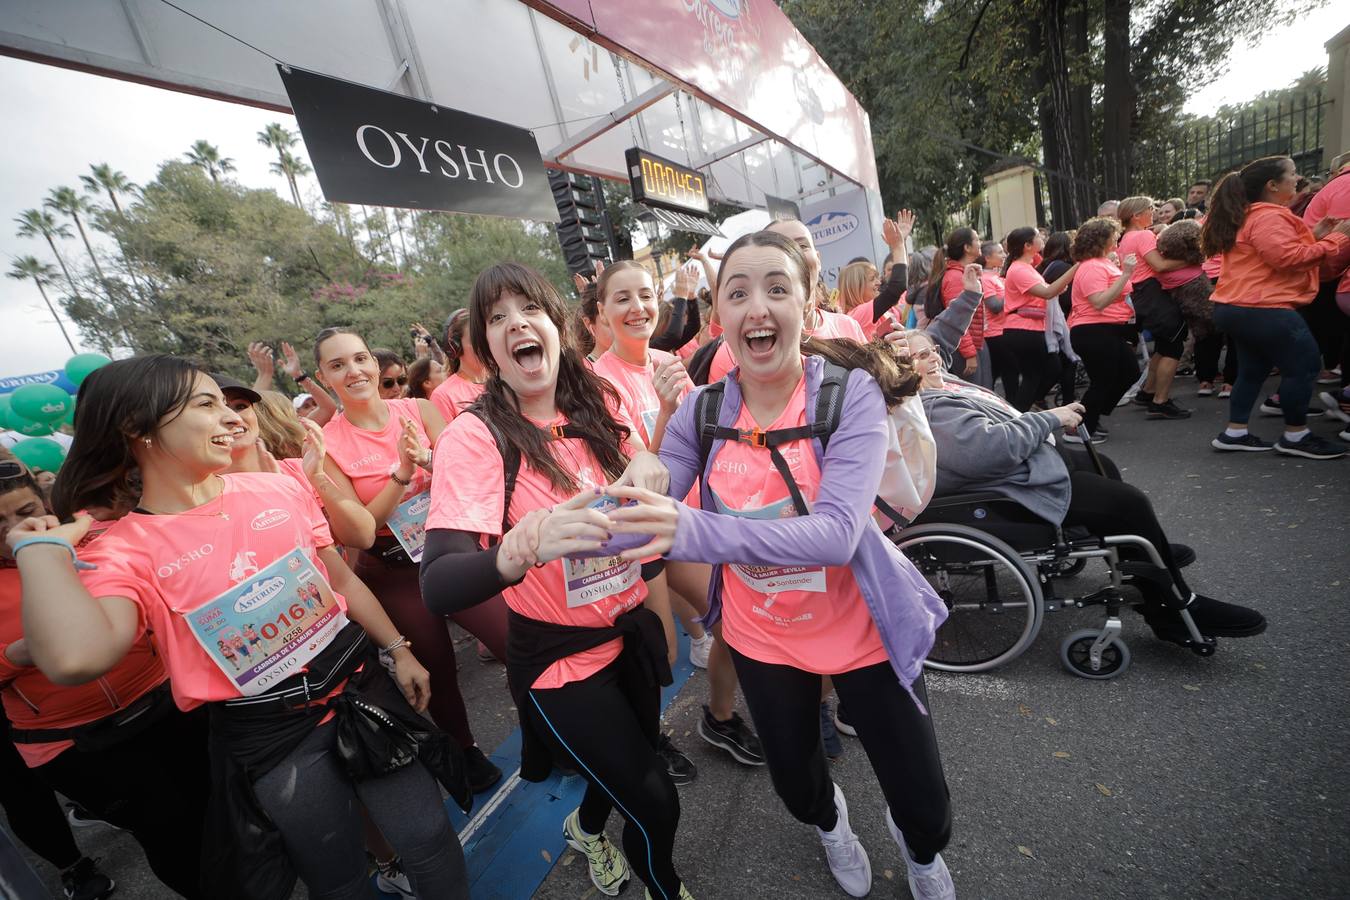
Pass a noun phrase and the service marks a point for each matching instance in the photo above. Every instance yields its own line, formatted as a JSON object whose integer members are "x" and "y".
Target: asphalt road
{"x": 1220, "y": 777}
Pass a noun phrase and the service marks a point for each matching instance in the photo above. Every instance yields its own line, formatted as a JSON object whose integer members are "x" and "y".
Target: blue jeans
{"x": 1267, "y": 338}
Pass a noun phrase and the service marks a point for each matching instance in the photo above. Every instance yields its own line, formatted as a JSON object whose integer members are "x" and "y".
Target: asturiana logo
{"x": 421, "y": 505}
{"x": 829, "y": 227}
{"x": 269, "y": 518}
{"x": 259, "y": 594}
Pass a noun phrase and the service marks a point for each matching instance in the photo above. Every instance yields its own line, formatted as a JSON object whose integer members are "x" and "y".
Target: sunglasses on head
{"x": 10, "y": 469}
{"x": 387, "y": 383}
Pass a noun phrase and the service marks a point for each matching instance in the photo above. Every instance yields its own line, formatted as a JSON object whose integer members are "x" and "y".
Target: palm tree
{"x": 107, "y": 179}
{"x": 291, "y": 167}
{"x": 35, "y": 222}
{"x": 281, "y": 139}
{"x": 207, "y": 157}
{"x": 43, "y": 274}
{"x": 66, "y": 200}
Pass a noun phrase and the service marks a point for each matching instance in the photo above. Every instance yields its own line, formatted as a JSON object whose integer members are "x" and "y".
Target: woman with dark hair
{"x": 393, "y": 374}
{"x": 425, "y": 375}
{"x": 1025, "y": 308}
{"x": 180, "y": 565}
{"x": 1270, "y": 265}
{"x": 944, "y": 285}
{"x": 108, "y": 745}
{"x": 852, "y": 607}
{"x": 1056, "y": 259}
{"x": 587, "y": 652}
{"x": 466, "y": 374}
{"x": 1099, "y": 323}
{"x": 379, "y": 453}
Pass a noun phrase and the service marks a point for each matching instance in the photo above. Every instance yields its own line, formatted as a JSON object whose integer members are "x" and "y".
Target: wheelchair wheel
{"x": 1075, "y": 653}
{"x": 993, "y": 600}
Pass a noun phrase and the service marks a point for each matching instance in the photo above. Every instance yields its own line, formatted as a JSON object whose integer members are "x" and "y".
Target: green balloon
{"x": 69, "y": 417}
{"x": 79, "y": 366}
{"x": 40, "y": 453}
{"x": 28, "y": 427}
{"x": 40, "y": 402}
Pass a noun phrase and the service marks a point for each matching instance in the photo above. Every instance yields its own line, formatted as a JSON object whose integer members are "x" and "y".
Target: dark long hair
{"x": 456, "y": 325}
{"x": 120, "y": 403}
{"x": 953, "y": 249}
{"x": 1016, "y": 244}
{"x": 1228, "y": 203}
{"x": 582, "y": 396}
{"x": 1058, "y": 247}
{"x": 896, "y": 379}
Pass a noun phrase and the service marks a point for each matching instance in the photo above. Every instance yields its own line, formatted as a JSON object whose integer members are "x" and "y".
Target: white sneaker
{"x": 930, "y": 882}
{"x": 393, "y": 880}
{"x": 699, "y": 648}
{"x": 845, "y": 854}
{"x": 1333, "y": 405}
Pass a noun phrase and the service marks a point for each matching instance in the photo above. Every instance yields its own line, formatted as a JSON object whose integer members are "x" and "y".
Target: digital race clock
{"x": 660, "y": 182}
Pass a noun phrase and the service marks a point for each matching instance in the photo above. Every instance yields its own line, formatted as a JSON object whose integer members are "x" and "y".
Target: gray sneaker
{"x": 844, "y": 852}
{"x": 930, "y": 882}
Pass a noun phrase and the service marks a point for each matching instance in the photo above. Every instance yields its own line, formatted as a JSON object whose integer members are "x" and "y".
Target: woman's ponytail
{"x": 1229, "y": 201}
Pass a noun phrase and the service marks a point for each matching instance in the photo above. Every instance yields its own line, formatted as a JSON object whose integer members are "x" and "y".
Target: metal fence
{"x": 1288, "y": 127}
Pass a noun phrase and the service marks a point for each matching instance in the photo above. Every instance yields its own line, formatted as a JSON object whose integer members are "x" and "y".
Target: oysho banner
{"x": 381, "y": 149}
{"x": 841, "y": 229}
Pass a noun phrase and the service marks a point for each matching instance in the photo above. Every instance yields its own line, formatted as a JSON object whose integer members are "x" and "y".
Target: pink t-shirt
{"x": 638, "y": 400}
{"x": 1213, "y": 266}
{"x": 688, "y": 349}
{"x": 810, "y": 617}
{"x": 1177, "y": 277}
{"x": 994, "y": 286}
{"x": 453, "y": 395}
{"x": 1095, "y": 275}
{"x": 1138, "y": 242}
{"x": 832, "y": 325}
{"x": 862, "y": 314}
{"x": 1022, "y": 310}
{"x": 171, "y": 565}
{"x": 367, "y": 457}
{"x": 589, "y": 593}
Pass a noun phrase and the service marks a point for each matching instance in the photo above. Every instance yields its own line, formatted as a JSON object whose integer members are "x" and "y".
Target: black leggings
{"x": 1002, "y": 365}
{"x": 611, "y": 736}
{"x": 784, "y": 703}
{"x": 317, "y": 808}
{"x": 1033, "y": 362}
{"x": 153, "y": 785}
{"x": 400, "y": 593}
{"x": 1109, "y": 357}
{"x": 32, "y": 808}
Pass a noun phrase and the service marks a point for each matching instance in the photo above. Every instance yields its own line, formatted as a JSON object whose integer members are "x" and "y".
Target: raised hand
{"x": 261, "y": 356}
{"x": 290, "y": 361}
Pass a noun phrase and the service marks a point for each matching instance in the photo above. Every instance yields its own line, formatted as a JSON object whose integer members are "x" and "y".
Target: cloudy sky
{"x": 60, "y": 121}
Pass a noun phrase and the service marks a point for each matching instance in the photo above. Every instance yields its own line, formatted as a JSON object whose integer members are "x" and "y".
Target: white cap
{"x": 299, "y": 401}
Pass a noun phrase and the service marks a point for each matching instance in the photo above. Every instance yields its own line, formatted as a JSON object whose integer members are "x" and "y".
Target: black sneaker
{"x": 1097, "y": 437}
{"x": 1310, "y": 447}
{"x": 79, "y": 817}
{"x": 834, "y": 748}
{"x": 1143, "y": 398}
{"x": 481, "y": 771}
{"x": 841, "y": 723}
{"x": 1167, "y": 410}
{"x": 1271, "y": 407}
{"x": 1213, "y": 617}
{"x": 1248, "y": 442}
{"x": 733, "y": 736}
{"x": 84, "y": 881}
{"x": 680, "y": 767}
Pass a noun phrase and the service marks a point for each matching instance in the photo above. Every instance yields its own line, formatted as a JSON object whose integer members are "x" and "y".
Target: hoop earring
{"x": 146, "y": 440}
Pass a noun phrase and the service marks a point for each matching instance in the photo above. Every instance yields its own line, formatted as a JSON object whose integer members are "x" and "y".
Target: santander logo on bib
{"x": 260, "y": 593}
{"x": 269, "y": 518}
{"x": 829, "y": 227}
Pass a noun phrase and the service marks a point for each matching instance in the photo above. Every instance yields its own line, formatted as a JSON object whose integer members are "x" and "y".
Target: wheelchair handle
{"x": 1091, "y": 450}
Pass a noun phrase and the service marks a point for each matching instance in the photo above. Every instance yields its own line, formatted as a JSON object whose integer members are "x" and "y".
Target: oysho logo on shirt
{"x": 269, "y": 518}
{"x": 177, "y": 565}
{"x": 370, "y": 460}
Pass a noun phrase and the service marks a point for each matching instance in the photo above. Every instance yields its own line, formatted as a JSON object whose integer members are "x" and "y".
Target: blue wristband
{"x": 55, "y": 541}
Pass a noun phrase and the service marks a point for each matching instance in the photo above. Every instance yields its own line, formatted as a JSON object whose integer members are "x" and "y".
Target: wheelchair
{"x": 997, "y": 566}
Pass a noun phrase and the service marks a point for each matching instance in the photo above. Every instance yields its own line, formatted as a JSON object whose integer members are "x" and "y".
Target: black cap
{"x": 234, "y": 386}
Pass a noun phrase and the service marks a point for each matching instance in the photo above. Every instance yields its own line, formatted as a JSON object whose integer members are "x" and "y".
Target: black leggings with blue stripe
{"x": 609, "y": 735}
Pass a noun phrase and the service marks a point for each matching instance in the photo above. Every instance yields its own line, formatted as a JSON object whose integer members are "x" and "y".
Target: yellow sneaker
{"x": 609, "y": 870}
{"x": 684, "y": 894}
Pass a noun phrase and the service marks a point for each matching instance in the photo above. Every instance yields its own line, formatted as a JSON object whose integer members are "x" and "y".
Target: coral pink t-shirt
{"x": 1095, "y": 275}
{"x": 688, "y": 349}
{"x": 1177, "y": 277}
{"x": 1138, "y": 242}
{"x": 862, "y": 314}
{"x": 810, "y": 617}
{"x": 367, "y": 457}
{"x": 1022, "y": 310}
{"x": 172, "y": 565}
{"x": 638, "y": 401}
{"x": 832, "y": 325}
{"x": 1213, "y": 266}
{"x": 994, "y": 286}
{"x": 590, "y": 593}
{"x": 453, "y": 395}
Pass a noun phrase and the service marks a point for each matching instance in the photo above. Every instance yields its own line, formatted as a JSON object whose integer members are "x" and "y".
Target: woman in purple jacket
{"x": 805, "y": 582}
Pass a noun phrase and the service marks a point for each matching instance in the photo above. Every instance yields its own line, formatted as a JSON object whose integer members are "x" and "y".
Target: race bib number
{"x": 267, "y": 627}
{"x": 774, "y": 579}
{"x": 591, "y": 580}
{"x": 409, "y": 524}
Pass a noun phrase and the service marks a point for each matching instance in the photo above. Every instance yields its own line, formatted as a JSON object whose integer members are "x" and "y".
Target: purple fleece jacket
{"x": 839, "y": 531}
